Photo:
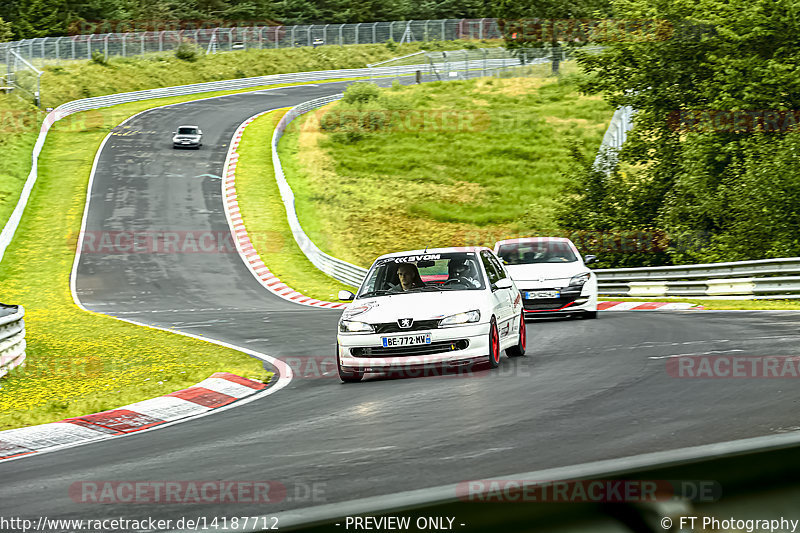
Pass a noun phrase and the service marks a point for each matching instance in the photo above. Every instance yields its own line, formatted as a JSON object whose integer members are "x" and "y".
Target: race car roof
{"x": 429, "y": 251}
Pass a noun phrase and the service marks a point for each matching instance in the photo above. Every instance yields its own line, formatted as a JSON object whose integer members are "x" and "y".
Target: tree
{"x": 5, "y": 31}
{"x": 708, "y": 59}
{"x": 534, "y": 23}
{"x": 41, "y": 18}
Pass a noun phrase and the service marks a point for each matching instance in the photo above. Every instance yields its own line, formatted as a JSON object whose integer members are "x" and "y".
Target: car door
{"x": 500, "y": 297}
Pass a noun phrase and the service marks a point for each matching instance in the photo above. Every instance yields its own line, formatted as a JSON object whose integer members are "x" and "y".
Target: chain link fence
{"x": 52, "y": 50}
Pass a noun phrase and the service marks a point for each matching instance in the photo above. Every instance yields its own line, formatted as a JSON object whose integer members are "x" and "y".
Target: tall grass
{"x": 439, "y": 164}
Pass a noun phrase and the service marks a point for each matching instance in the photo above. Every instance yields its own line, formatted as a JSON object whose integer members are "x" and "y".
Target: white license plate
{"x": 532, "y": 295}
{"x": 406, "y": 340}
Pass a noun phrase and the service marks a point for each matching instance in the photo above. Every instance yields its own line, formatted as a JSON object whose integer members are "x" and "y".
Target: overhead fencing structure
{"x": 476, "y": 62}
{"x": 12, "y": 337}
{"x": 48, "y": 50}
{"x": 761, "y": 279}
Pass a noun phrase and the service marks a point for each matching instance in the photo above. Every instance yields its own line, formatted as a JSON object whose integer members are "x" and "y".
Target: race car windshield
{"x": 187, "y": 131}
{"x": 456, "y": 271}
{"x": 526, "y": 253}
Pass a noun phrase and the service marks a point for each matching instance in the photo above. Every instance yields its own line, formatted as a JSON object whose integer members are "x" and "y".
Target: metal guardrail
{"x": 761, "y": 279}
{"x": 336, "y": 268}
{"x": 98, "y": 102}
{"x": 12, "y": 337}
{"x": 615, "y": 136}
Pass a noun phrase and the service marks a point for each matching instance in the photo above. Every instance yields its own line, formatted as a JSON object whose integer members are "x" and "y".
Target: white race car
{"x": 551, "y": 275}
{"x": 441, "y": 308}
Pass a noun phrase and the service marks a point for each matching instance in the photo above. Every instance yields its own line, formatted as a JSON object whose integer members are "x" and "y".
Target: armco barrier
{"x": 761, "y": 279}
{"x": 336, "y": 268}
{"x": 12, "y": 337}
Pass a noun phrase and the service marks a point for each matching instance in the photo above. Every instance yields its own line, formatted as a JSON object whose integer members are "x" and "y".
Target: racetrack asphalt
{"x": 587, "y": 390}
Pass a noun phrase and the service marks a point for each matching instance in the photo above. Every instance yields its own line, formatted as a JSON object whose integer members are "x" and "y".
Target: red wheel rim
{"x": 523, "y": 335}
{"x": 495, "y": 347}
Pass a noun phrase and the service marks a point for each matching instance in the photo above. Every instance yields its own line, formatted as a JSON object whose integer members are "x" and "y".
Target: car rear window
{"x": 526, "y": 253}
{"x": 187, "y": 131}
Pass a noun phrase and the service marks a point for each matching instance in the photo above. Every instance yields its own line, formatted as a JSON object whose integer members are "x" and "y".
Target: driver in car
{"x": 409, "y": 277}
{"x": 462, "y": 271}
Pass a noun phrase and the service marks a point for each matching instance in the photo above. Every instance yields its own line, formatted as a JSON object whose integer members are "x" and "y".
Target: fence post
{"x": 325, "y": 34}
{"x": 374, "y": 33}
{"x": 426, "y": 30}
{"x": 443, "y": 29}
{"x": 73, "y": 46}
{"x": 143, "y": 42}
{"x": 89, "y": 47}
{"x": 341, "y": 27}
{"x": 58, "y": 50}
{"x": 391, "y": 31}
{"x": 161, "y": 41}
{"x": 358, "y": 29}
{"x": 105, "y": 47}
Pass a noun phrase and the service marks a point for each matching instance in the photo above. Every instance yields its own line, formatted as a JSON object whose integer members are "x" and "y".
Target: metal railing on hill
{"x": 12, "y": 337}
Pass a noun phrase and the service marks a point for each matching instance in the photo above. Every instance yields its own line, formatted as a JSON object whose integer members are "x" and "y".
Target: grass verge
{"x": 265, "y": 217}
{"x": 81, "y": 362}
{"x": 444, "y": 164}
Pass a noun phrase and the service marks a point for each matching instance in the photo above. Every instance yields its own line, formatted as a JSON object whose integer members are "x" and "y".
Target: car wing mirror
{"x": 199, "y": 132}
{"x": 346, "y": 296}
{"x": 589, "y": 259}
{"x": 504, "y": 283}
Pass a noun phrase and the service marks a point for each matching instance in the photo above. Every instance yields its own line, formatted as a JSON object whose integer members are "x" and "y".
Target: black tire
{"x": 494, "y": 345}
{"x": 519, "y": 349}
{"x": 347, "y": 377}
{"x": 589, "y": 314}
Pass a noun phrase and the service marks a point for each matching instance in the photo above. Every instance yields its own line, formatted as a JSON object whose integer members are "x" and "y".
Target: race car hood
{"x": 546, "y": 271}
{"x": 419, "y": 306}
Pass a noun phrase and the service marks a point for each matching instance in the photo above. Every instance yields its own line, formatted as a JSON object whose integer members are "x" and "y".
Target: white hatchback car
{"x": 551, "y": 275}
{"x": 440, "y": 308}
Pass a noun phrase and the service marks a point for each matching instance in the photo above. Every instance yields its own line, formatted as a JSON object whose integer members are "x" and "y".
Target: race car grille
{"x": 422, "y": 349}
{"x": 547, "y": 304}
{"x": 392, "y": 327}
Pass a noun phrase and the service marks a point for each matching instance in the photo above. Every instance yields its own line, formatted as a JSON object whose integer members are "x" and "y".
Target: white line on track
{"x": 284, "y": 371}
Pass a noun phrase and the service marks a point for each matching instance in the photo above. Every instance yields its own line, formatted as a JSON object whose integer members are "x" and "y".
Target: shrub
{"x": 361, "y": 93}
{"x": 391, "y": 45}
{"x": 188, "y": 51}
{"x": 99, "y": 58}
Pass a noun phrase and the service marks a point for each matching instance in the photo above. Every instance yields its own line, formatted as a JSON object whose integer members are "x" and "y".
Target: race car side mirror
{"x": 589, "y": 259}
{"x": 504, "y": 283}
{"x": 346, "y": 296}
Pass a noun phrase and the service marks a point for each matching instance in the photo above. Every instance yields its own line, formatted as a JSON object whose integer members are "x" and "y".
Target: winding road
{"x": 588, "y": 389}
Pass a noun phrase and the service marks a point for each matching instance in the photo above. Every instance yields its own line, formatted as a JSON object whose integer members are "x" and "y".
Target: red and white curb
{"x": 219, "y": 390}
{"x": 647, "y": 306}
{"x": 243, "y": 244}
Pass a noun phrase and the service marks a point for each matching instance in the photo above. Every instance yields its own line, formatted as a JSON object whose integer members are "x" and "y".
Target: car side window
{"x": 491, "y": 271}
{"x": 500, "y": 270}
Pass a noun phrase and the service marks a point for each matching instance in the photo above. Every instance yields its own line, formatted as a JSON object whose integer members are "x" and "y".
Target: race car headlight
{"x": 461, "y": 318}
{"x": 579, "y": 280}
{"x": 353, "y": 326}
